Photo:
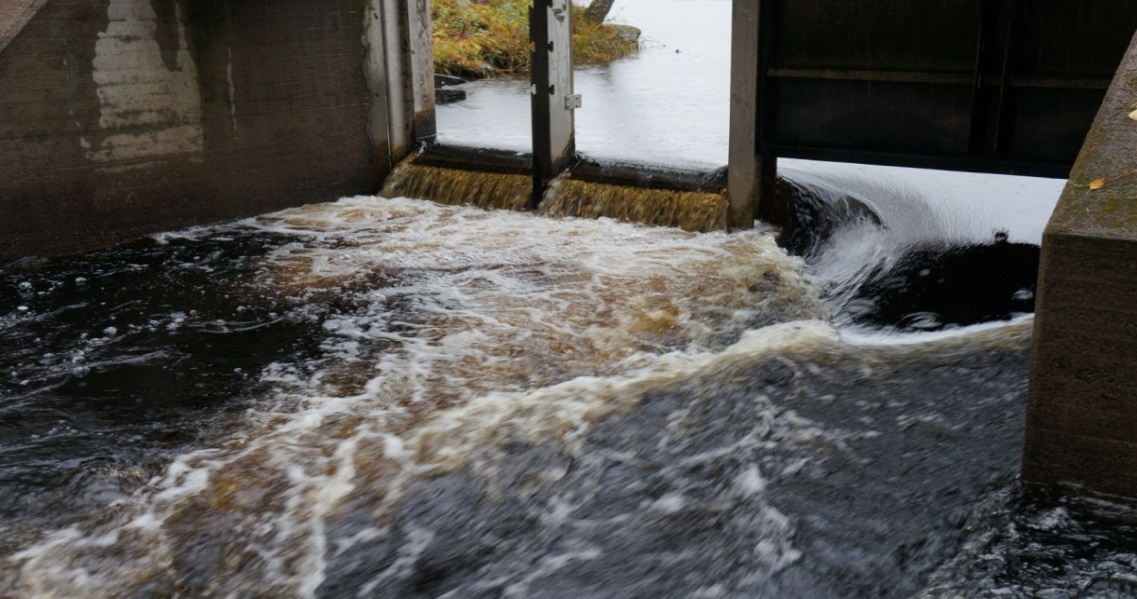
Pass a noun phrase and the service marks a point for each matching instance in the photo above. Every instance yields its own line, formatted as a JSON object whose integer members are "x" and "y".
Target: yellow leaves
{"x": 1113, "y": 179}
{"x": 1133, "y": 115}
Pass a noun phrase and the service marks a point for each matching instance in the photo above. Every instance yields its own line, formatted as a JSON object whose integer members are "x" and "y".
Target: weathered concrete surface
{"x": 745, "y": 170}
{"x": 14, "y": 14}
{"x": 123, "y": 117}
{"x": 1082, "y": 422}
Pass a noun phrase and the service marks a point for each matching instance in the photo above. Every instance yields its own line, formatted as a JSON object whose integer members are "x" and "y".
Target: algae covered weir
{"x": 380, "y": 396}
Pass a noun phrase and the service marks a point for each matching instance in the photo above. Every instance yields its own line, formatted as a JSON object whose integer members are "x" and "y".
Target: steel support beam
{"x": 553, "y": 99}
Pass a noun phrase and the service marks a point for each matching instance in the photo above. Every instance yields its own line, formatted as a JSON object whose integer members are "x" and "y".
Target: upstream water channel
{"x": 385, "y": 397}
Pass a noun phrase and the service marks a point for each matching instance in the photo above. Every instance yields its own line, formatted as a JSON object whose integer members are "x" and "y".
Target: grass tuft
{"x": 476, "y": 39}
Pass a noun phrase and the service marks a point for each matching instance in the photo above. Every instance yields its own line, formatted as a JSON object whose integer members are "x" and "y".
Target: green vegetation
{"x": 475, "y": 38}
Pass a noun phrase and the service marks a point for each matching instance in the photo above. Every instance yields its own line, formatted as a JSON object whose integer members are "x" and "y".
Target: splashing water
{"x": 456, "y": 330}
{"x": 687, "y": 210}
{"x": 459, "y": 187}
{"x": 472, "y": 403}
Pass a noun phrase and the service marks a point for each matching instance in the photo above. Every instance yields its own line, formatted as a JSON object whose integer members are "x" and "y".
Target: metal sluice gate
{"x": 999, "y": 86}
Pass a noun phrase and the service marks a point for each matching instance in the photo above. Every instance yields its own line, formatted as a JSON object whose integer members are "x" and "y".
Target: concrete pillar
{"x": 750, "y": 173}
{"x": 407, "y": 68}
{"x": 1082, "y": 418}
{"x": 420, "y": 53}
{"x": 553, "y": 102}
{"x": 381, "y": 93}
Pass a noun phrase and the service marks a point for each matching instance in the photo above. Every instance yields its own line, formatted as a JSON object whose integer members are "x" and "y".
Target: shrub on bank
{"x": 479, "y": 38}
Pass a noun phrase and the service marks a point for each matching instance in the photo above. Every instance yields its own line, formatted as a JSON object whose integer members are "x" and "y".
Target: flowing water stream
{"x": 383, "y": 397}
{"x": 392, "y": 398}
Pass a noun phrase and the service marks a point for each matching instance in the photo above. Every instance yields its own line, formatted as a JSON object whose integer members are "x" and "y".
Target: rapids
{"x": 394, "y": 398}
{"x": 383, "y": 397}
{"x": 430, "y": 335}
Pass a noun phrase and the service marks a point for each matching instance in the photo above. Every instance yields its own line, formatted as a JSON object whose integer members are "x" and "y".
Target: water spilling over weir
{"x": 662, "y": 196}
{"x": 458, "y": 187}
{"x": 891, "y": 259}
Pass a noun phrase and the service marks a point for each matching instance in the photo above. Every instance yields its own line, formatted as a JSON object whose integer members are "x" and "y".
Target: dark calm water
{"x": 391, "y": 398}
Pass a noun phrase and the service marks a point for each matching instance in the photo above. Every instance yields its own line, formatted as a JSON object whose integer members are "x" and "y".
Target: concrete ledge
{"x": 14, "y": 14}
{"x": 1082, "y": 420}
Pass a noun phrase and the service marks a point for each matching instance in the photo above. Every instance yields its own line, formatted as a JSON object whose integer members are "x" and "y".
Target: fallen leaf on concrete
{"x": 1133, "y": 115}
{"x": 1097, "y": 184}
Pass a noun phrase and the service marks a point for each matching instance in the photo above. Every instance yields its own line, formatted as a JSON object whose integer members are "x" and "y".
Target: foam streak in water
{"x": 446, "y": 332}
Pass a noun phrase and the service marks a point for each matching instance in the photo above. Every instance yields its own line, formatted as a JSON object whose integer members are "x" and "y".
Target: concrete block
{"x": 1082, "y": 421}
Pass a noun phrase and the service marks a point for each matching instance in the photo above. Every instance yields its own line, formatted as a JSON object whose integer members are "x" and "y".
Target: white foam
{"x": 419, "y": 540}
{"x": 548, "y": 565}
{"x": 946, "y": 205}
{"x": 876, "y": 337}
{"x": 464, "y": 330}
{"x": 750, "y": 482}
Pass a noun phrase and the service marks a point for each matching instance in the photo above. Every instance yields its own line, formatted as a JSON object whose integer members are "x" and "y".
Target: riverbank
{"x": 475, "y": 40}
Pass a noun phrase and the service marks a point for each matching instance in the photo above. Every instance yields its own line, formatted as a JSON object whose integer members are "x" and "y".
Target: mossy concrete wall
{"x": 1082, "y": 420}
{"x": 123, "y": 117}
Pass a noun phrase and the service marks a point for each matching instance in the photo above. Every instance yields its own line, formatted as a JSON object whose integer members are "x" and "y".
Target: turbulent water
{"x": 404, "y": 340}
{"x": 394, "y": 398}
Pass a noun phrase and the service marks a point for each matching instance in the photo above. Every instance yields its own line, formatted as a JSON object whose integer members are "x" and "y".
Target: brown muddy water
{"x": 392, "y": 398}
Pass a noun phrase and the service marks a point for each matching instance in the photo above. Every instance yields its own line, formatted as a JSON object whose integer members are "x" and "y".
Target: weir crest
{"x": 690, "y": 201}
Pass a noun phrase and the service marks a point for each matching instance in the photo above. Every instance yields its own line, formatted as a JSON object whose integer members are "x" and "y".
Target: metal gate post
{"x": 553, "y": 101}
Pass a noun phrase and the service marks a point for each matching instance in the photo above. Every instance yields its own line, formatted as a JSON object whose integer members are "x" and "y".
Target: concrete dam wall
{"x": 123, "y": 117}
